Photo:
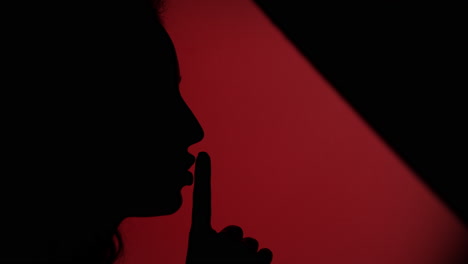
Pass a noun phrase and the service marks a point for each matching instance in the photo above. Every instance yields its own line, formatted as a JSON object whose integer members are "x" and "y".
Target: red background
{"x": 292, "y": 163}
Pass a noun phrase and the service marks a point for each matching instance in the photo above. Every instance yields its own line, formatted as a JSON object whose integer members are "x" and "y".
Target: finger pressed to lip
{"x": 201, "y": 211}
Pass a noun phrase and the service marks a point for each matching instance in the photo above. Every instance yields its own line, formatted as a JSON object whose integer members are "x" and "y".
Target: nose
{"x": 194, "y": 131}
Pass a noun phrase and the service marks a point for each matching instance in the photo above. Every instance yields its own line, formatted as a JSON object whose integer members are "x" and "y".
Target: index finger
{"x": 201, "y": 210}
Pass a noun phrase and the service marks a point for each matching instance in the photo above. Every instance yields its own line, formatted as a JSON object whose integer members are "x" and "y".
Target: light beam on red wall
{"x": 293, "y": 164}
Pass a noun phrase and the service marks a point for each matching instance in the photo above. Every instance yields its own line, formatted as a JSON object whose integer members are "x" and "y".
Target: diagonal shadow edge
{"x": 405, "y": 129}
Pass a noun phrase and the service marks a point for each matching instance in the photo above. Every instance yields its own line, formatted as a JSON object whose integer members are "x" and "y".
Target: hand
{"x": 205, "y": 244}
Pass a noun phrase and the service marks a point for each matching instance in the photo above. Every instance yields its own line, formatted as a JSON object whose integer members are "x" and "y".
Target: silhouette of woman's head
{"x": 98, "y": 130}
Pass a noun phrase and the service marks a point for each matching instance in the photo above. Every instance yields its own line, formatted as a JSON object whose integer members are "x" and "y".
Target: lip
{"x": 188, "y": 179}
{"x": 190, "y": 160}
{"x": 186, "y": 161}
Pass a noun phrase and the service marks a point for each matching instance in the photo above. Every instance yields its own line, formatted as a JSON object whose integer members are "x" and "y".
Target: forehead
{"x": 139, "y": 55}
{"x": 122, "y": 62}
{"x": 165, "y": 52}
{"x": 94, "y": 61}
{"x": 148, "y": 47}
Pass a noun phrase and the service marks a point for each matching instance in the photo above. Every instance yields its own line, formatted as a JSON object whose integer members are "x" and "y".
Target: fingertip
{"x": 203, "y": 154}
{"x": 203, "y": 165}
{"x": 203, "y": 162}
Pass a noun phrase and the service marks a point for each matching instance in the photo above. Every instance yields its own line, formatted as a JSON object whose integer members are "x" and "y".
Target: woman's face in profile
{"x": 145, "y": 127}
{"x": 104, "y": 126}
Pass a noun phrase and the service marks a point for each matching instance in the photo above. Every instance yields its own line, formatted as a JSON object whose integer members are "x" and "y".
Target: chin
{"x": 171, "y": 208}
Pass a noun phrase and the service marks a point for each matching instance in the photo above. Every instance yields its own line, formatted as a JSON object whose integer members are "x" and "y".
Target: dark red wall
{"x": 293, "y": 164}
